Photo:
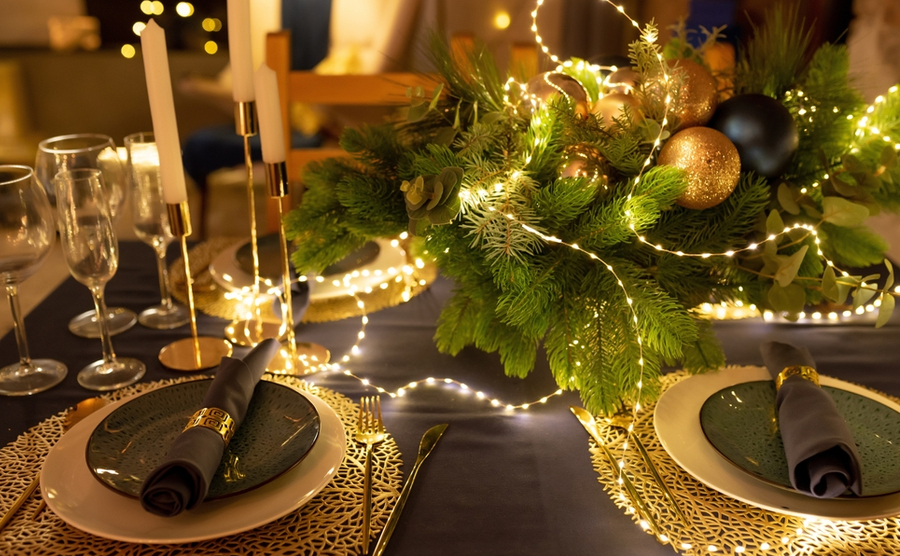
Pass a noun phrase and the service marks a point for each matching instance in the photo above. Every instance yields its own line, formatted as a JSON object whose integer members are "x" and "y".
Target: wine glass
{"x": 87, "y": 150}
{"x": 92, "y": 254}
{"x": 151, "y": 224}
{"x": 26, "y": 236}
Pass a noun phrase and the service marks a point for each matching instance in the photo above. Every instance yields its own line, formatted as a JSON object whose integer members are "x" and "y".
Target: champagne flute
{"x": 26, "y": 236}
{"x": 87, "y": 150}
{"x": 92, "y": 254}
{"x": 151, "y": 224}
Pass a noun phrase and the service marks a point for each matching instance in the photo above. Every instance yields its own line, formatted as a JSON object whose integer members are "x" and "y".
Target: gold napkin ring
{"x": 804, "y": 372}
{"x": 215, "y": 419}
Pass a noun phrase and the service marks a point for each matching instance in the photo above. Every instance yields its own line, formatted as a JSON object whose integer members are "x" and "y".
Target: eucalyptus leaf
{"x": 812, "y": 211}
{"x": 844, "y": 188}
{"x": 885, "y": 310}
{"x": 830, "y": 287}
{"x": 789, "y": 267}
{"x": 436, "y": 96}
{"x": 841, "y": 212}
{"x": 417, "y": 112}
{"x": 890, "y": 277}
{"x": 789, "y": 300}
{"x": 852, "y": 164}
{"x": 787, "y": 200}
{"x": 861, "y": 296}
{"x": 774, "y": 223}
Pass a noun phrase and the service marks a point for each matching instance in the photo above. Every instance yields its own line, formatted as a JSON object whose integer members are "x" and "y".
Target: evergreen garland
{"x": 473, "y": 173}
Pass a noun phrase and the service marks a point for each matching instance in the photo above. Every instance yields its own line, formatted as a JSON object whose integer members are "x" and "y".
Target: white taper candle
{"x": 239, "y": 50}
{"x": 162, "y": 111}
{"x": 268, "y": 112}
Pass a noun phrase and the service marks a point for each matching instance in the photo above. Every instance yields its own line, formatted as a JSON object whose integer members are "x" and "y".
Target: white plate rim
{"x": 76, "y": 496}
{"x": 677, "y": 423}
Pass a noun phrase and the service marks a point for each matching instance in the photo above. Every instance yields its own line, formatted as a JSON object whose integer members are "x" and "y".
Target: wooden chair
{"x": 387, "y": 89}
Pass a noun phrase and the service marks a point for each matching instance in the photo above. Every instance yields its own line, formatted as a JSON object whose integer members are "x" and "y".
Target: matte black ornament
{"x": 763, "y": 131}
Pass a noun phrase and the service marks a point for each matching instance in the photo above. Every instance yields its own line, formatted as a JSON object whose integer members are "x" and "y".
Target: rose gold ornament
{"x": 710, "y": 161}
{"x": 584, "y": 161}
{"x": 544, "y": 85}
{"x": 622, "y": 80}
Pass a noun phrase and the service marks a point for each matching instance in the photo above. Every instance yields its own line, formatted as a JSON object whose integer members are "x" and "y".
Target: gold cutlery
{"x": 429, "y": 439}
{"x": 587, "y": 421}
{"x": 369, "y": 431}
{"x": 76, "y": 414}
{"x": 622, "y": 423}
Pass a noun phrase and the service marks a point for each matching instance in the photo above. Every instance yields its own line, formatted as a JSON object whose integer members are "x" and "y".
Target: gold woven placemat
{"x": 720, "y": 524}
{"x": 329, "y": 524}
{"x": 210, "y": 298}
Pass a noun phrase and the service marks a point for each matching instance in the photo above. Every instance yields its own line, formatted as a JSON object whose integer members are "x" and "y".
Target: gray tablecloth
{"x": 518, "y": 484}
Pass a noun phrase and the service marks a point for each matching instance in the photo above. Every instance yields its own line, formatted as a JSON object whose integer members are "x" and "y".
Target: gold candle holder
{"x": 250, "y": 331}
{"x": 197, "y": 352}
{"x": 294, "y": 358}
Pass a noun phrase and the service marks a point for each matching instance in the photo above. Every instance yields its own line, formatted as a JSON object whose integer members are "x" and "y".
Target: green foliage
{"x": 586, "y": 259}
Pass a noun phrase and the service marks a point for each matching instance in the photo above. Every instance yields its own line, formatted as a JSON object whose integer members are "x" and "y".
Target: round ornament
{"x": 622, "y": 80}
{"x": 710, "y": 161}
{"x": 763, "y": 131}
{"x": 694, "y": 102}
{"x": 544, "y": 85}
{"x": 612, "y": 106}
{"x": 584, "y": 161}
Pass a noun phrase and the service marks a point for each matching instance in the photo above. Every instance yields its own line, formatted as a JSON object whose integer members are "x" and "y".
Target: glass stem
{"x": 12, "y": 293}
{"x": 165, "y": 296}
{"x": 109, "y": 356}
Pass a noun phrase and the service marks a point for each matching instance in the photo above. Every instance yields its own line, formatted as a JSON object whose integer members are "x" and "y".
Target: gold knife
{"x": 429, "y": 439}
{"x": 587, "y": 421}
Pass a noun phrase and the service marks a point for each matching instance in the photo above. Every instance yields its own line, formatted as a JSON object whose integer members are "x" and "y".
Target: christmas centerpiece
{"x": 590, "y": 209}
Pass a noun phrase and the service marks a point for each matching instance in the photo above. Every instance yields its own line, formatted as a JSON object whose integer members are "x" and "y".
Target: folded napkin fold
{"x": 819, "y": 447}
{"x": 181, "y": 481}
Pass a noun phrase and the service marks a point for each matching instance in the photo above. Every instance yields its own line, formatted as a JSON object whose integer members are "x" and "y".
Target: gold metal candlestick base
{"x": 308, "y": 359}
{"x": 197, "y": 352}
{"x": 184, "y": 355}
{"x": 245, "y": 118}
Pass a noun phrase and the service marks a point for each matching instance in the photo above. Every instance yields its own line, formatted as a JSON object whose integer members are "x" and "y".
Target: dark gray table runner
{"x": 498, "y": 483}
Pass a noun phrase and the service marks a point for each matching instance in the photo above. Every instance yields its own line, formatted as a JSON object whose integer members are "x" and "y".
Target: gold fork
{"x": 369, "y": 431}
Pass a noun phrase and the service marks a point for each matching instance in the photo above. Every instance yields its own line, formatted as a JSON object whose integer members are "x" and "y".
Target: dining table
{"x": 500, "y": 481}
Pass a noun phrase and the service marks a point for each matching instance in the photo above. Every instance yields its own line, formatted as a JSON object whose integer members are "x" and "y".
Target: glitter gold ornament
{"x": 612, "y": 106}
{"x": 544, "y": 85}
{"x": 710, "y": 161}
{"x": 695, "y": 100}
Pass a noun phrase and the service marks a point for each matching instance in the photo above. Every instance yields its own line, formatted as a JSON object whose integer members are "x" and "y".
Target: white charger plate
{"x": 73, "y": 493}
{"x": 677, "y": 423}
{"x": 227, "y": 274}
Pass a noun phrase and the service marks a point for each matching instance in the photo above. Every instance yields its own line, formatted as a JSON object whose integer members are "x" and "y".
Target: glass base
{"x": 249, "y": 332}
{"x": 103, "y": 376}
{"x": 40, "y": 375}
{"x": 119, "y": 320}
{"x": 161, "y": 317}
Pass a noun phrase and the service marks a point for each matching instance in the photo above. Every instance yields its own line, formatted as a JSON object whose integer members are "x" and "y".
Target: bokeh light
{"x": 157, "y": 7}
{"x": 211, "y": 47}
{"x": 138, "y": 27}
{"x": 502, "y": 20}
{"x": 184, "y": 9}
{"x": 147, "y": 7}
{"x": 128, "y": 51}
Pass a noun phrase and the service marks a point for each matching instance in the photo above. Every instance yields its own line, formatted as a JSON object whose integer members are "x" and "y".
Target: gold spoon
{"x": 76, "y": 414}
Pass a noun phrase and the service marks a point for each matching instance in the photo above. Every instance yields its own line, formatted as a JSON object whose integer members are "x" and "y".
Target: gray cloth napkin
{"x": 820, "y": 450}
{"x": 182, "y": 480}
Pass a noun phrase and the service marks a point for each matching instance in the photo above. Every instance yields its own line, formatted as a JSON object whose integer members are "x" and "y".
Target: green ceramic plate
{"x": 740, "y": 422}
{"x": 280, "y": 428}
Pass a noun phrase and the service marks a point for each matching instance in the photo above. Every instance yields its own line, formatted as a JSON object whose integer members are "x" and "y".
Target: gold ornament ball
{"x": 695, "y": 100}
{"x": 544, "y": 85}
{"x": 710, "y": 161}
{"x": 622, "y": 80}
{"x": 584, "y": 161}
{"x": 612, "y": 106}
